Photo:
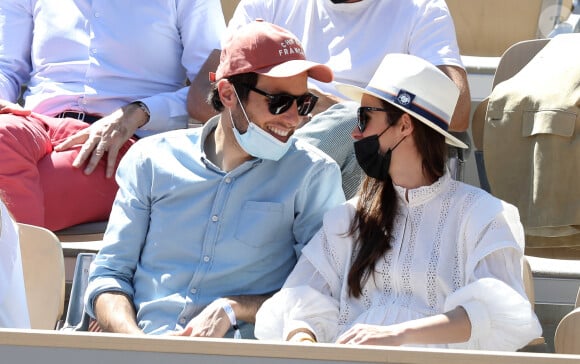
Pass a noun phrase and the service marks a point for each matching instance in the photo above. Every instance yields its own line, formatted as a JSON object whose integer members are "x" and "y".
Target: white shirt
{"x": 13, "y": 306}
{"x": 96, "y": 56}
{"x": 352, "y": 39}
{"x": 453, "y": 245}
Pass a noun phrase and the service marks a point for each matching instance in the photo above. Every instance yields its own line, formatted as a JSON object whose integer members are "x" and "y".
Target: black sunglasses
{"x": 280, "y": 103}
{"x": 363, "y": 116}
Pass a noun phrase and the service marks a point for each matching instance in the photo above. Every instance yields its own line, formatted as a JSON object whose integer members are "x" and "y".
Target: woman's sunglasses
{"x": 363, "y": 116}
{"x": 280, "y": 103}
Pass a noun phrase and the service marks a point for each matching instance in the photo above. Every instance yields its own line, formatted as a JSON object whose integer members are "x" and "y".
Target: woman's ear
{"x": 227, "y": 93}
{"x": 406, "y": 124}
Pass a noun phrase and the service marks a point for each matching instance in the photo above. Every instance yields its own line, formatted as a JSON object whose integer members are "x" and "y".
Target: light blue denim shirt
{"x": 183, "y": 232}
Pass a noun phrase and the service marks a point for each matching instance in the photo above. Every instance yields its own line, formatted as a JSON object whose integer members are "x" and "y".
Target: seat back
{"x": 538, "y": 344}
{"x": 545, "y": 236}
{"x": 76, "y": 317}
{"x": 510, "y": 63}
{"x": 43, "y": 268}
{"x": 489, "y": 27}
{"x": 528, "y": 281}
{"x": 567, "y": 336}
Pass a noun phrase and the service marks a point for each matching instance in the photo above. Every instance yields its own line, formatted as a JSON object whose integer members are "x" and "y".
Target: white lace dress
{"x": 454, "y": 245}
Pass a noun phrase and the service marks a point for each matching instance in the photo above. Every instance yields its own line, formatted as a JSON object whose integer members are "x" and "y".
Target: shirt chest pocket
{"x": 260, "y": 223}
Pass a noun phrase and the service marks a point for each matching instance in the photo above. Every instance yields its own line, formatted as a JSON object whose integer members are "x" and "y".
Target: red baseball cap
{"x": 267, "y": 49}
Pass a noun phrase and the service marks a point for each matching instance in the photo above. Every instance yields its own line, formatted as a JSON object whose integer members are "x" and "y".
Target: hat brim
{"x": 291, "y": 68}
{"x": 355, "y": 93}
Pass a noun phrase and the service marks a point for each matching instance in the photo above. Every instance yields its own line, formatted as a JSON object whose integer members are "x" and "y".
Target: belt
{"x": 79, "y": 115}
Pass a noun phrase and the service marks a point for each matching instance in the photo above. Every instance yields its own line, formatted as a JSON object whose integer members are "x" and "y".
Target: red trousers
{"x": 40, "y": 186}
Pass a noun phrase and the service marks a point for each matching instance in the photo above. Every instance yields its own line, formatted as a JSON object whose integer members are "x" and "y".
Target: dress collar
{"x": 423, "y": 194}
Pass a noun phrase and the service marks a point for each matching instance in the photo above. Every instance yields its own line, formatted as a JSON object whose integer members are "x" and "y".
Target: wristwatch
{"x": 143, "y": 107}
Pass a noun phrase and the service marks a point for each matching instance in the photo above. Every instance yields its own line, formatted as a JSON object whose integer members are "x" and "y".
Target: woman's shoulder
{"x": 342, "y": 213}
{"x": 481, "y": 208}
{"x": 480, "y": 198}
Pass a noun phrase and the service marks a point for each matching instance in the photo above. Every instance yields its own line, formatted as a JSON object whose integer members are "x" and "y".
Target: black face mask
{"x": 369, "y": 158}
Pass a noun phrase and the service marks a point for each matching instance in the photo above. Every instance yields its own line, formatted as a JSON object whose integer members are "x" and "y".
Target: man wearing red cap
{"x": 208, "y": 222}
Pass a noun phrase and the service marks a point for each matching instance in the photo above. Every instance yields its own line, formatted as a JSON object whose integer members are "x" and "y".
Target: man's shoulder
{"x": 312, "y": 153}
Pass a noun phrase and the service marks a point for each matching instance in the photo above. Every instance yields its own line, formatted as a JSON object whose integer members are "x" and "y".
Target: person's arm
{"x": 115, "y": 313}
{"x": 324, "y": 101}
{"x": 307, "y": 306}
{"x": 197, "y": 106}
{"x": 112, "y": 272}
{"x": 450, "y": 327}
{"x": 214, "y": 321}
{"x": 246, "y": 307}
{"x": 16, "y": 39}
{"x": 493, "y": 296}
{"x": 460, "y": 119}
{"x": 433, "y": 38}
{"x": 200, "y": 26}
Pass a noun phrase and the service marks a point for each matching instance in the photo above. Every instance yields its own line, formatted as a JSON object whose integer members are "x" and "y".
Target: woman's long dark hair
{"x": 377, "y": 204}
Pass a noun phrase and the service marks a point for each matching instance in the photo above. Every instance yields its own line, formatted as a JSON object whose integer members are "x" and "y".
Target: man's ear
{"x": 227, "y": 93}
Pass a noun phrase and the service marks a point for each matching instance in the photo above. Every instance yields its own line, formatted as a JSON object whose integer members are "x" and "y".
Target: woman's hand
{"x": 362, "y": 334}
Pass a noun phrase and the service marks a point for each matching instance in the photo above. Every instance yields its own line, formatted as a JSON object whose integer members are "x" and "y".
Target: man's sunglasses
{"x": 280, "y": 103}
{"x": 363, "y": 116}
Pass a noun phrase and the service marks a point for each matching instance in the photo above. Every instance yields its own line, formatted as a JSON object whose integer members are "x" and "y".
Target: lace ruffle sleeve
{"x": 297, "y": 307}
{"x": 501, "y": 319}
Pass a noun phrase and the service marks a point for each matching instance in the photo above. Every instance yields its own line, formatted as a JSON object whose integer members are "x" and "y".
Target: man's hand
{"x": 211, "y": 322}
{"x": 106, "y": 135}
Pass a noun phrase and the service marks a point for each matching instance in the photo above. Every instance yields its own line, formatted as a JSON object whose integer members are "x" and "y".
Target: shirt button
{"x": 93, "y": 51}
{"x": 228, "y": 180}
{"x": 206, "y": 259}
{"x": 182, "y": 320}
{"x": 97, "y": 15}
{"x": 193, "y": 290}
{"x": 214, "y": 218}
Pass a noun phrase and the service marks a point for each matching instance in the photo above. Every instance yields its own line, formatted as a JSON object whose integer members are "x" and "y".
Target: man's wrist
{"x": 145, "y": 110}
{"x": 225, "y": 305}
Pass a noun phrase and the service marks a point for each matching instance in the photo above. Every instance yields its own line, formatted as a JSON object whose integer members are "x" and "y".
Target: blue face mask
{"x": 257, "y": 142}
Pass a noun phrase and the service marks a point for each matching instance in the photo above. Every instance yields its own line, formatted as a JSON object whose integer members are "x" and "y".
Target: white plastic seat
{"x": 43, "y": 268}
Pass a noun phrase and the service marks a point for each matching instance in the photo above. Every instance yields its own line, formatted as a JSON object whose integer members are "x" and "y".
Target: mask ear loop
{"x": 242, "y": 107}
{"x": 399, "y": 142}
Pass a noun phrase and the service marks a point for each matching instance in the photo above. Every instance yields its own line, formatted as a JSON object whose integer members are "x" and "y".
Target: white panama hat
{"x": 415, "y": 86}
